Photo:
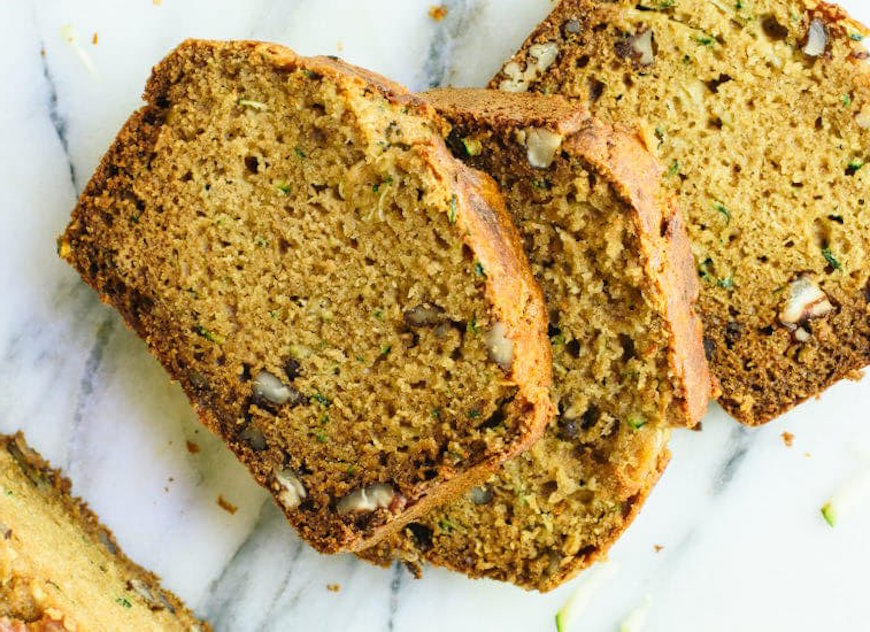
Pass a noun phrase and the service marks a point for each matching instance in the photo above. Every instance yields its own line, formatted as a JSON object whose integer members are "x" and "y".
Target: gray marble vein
{"x": 737, "y": 511}
{"x": 399, "y": 574}
{"x": 739, "y": 443}
{"x": 87, "y": 383}
{"x": 438, "y": 61}
{"x": 57, "y": 120}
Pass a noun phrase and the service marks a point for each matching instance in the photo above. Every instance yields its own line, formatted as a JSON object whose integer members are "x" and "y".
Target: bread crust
{"x": 619, "y": 154}
{"x": 618, "y": 157}
{"x": 761, "y": 370}
{"x": 635, "y": 503}
{"x": 480, "y": 222}
{"x": 57, "y": 610}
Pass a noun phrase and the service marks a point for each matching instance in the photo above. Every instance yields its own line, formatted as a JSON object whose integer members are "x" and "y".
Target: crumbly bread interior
{"x": 553, "y": 510}
{"x": 291, "y": 240}
{"x": 60, "y": 569}
{"x": 760, "y": 112}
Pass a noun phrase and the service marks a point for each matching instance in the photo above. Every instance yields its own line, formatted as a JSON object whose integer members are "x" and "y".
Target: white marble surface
{"x": 737, "y": 512}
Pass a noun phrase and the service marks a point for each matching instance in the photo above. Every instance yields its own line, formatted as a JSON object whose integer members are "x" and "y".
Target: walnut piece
{"x": 540, "y": 57}
{"x": 291, "y": 492}
{"x": 500, "y": 347}
{"x": 423, "y": 315}
{"x": 541, "y": 146}
{"x": 641, "y": 44}
{"x": 271, "y": 388}
{"x": 817, "y": 39}
{"x": 370, "y": 498}
{"x": 805, "y": 302}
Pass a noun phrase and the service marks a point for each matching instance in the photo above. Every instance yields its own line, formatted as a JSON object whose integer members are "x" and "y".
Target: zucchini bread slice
{"x": 60, "y": 569}
{"x": 760, "y": 112}
{"x": 612, "y": 257}
{"x": 343, "y": 302}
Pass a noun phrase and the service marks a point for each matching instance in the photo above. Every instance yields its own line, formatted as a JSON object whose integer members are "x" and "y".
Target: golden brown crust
{"x": 634, "y": 505}
{"x": 384, "y": 556}
{"x": 41, "y": 609}
{"x": 515, "y": 295}
{"x": 637, "y": 176}
{"x": 555, "y": 526}
{"x": 168, "y": 72}
{"x": 510, "y": 288}
{"x": 762, "y": 369}
{"x": 619, "y": 154}
{"x": 508, "y": 110}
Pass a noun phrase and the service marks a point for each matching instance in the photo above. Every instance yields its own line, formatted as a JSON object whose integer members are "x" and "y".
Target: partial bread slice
{"x": 342, "y": 301}
{"x": 60, "y": 569}
{"x": 760, "y": 111}
{"x": 612, "y": 258}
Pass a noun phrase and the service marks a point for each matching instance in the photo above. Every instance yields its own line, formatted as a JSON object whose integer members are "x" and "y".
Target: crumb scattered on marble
{"x": 333, "y": 587}
{"x": 438, "y": 12}
{"x": 192, "y": 447}
{"x": 95, "y": 39}
{"x": 657, "y": 547}
{"x": 226, "y": 505}
{"x": 788, "y": 439}
{"x": 807, "y": 454}
{"x": 157, "y": 3}
{"x": 339, "y": 46}
{"x": 697, "y": 427}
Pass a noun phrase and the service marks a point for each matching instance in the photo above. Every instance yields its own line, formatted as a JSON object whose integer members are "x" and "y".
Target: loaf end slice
{"x": 344, "y": 304}
{"x": 610, "y": 252}
{"x": 760, "y": 112}
{"x": 60, "y": 569}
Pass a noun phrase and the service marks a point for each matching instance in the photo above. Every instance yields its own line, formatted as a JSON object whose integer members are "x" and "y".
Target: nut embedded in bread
{"x": 60, "y": 569}
{"x": 611, "y": 255}
{"x": 760, "y": 112}
{"x": 343, "y": 302}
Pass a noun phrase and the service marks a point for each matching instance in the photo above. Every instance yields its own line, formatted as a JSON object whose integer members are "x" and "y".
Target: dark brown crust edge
{"x": 517, "y": 300}
{"x": 382, "y": 555}
{"x": 812, "y": 386}
{"x": 634, "y": 504}
{"x": 619, "y": 155}
{"x": 636, "y": 176}
{"x": 34, "y": 466}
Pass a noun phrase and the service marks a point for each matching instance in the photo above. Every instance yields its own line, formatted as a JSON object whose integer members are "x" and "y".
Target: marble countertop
{"x": 743, "y": 544}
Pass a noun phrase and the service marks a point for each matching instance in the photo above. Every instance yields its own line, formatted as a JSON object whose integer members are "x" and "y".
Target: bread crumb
{"x": 698, "y": 427}
{"x": 333, "y": 587}
{"x": 438, "y": 12}
{"x": 855, "y": 376}
{"x": 95, "y": 39}
{"x": 657, "y": 547}
{"x": 788, "y": 439}
{"x": 226, "y": 505}
{"x": 339, "y": 46}
{"x": 807, "y": 454}
{"x": 192, "y": 447}
{"x": 157, "y": 3}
